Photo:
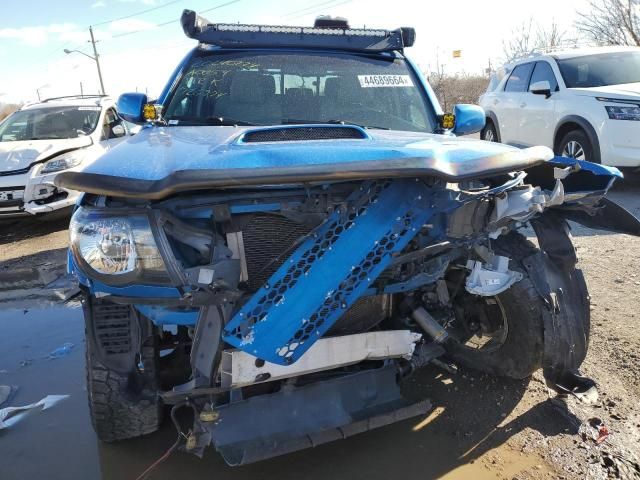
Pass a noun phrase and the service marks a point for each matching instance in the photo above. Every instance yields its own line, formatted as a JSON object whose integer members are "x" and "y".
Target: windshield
{"x": 289, "y": 88}
{"x": 601, "y": 70}
{"x": 49, "y": 123}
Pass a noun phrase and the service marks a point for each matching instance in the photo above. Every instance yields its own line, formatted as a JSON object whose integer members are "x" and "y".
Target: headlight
{"x": 63, "y": 162}
{"x": 631, "y": 112}
{"x": 117, "y": 249}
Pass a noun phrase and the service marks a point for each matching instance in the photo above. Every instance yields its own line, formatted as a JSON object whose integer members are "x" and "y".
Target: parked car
{"x": 43, "y": 139}
{"x": 582, "y": 103}
{"x": 297, "y": 228}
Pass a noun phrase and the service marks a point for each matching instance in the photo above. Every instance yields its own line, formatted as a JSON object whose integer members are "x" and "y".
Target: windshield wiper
{"x": 217, "y": 121}
{"x": 290, "y": 121}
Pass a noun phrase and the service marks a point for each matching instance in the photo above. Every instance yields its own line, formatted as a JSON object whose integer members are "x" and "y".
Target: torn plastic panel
{"x": 605, "y": 215}
{"x": 490, "y": 278}
{"x": 567, "y": 319}
{"x": 579, "y": 178}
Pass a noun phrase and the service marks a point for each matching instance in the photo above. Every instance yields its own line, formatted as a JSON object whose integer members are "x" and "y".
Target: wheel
{"x": 124, "y": 405}
{"x": 576, "y": 144}
{"x": 489, "y": 132}
{"x": 504, "y": 335}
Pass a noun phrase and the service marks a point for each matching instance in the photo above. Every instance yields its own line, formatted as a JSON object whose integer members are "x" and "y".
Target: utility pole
{"x": 95, "y": 54}
{"x": 46, "y": 85}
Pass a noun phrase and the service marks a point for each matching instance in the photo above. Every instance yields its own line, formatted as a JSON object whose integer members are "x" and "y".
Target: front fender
{"x": 585, "y": 186}
{"x": 567, "y": 319}
{"x": 607, "y": 215}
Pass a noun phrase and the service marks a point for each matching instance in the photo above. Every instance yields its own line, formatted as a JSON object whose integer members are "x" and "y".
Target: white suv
{"x": 582, "y": 103}
{"x": 41, "y": 140}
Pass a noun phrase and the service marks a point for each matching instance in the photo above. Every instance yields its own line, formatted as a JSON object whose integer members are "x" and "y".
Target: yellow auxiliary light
{"x": 149, "y": 111}
{"x": 448, "y": 121}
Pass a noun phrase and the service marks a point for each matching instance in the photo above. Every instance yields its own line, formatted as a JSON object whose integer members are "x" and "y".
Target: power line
{"x": 219, "y": 6}
{"x": 308, "y": 8}
{"x": 170, "y": 22}
{"x": 322, "y": 9}
{"x": 55, "y": 52}
{"x": 141, "y": 12}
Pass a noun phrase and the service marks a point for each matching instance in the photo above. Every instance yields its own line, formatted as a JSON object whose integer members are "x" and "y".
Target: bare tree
{"x": 530, "y": 37}
{"x": 438, "y": 81}
{"x": 611, "y": 22}
{"x": 7, "y": 109}
{"x": 459, "y": 88}
{"x": 550, "y": 37}
{"x": 520, "y": 43}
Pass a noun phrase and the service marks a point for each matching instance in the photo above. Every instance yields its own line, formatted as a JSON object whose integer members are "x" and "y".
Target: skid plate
{"x": 266, "y": 426}
{"x": 330, "y": 270}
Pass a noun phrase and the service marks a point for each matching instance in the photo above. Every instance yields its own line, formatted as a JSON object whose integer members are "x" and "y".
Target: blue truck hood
{"x": 160, "y": 161}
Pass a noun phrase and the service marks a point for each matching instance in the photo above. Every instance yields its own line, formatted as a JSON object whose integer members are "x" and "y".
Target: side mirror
{"x": 468, "y": 119}
{"x": 130, "y": 106}
{"x": 541, "y": 88}
{"x": 118, "y": 131}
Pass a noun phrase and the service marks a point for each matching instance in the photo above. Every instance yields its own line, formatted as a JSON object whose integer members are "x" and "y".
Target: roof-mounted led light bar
{"x": 325, "y": 34}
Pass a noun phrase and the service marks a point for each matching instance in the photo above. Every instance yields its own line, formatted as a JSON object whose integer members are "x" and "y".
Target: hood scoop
{"x": 300, "y": 133}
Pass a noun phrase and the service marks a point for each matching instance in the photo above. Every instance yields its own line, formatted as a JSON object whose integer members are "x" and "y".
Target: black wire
{"x": 138, "y": 13}
{"x": 171, "y": 22}
{"x": 309, "y": 7}
{"x": 218, "y": 6}
{"x": 313, "y": 12}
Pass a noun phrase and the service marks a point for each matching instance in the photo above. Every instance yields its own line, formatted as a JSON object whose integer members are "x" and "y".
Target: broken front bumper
{"x": 33, "y": 194}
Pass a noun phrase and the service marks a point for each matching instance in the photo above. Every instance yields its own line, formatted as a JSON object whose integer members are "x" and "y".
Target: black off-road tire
{"x": 521, "y": 353}
{"x": 123, "y": 405}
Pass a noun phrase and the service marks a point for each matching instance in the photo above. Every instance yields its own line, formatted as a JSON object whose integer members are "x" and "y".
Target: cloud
{"x": 62, "y": 75}
{"x": 39, "y": 35}
{"x": 98, "y": 4}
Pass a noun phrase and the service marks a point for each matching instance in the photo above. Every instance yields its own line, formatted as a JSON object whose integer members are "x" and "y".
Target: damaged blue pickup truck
{"x": 298, "y": 228}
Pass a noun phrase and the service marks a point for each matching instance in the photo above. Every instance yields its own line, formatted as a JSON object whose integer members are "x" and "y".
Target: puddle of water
{"x": 57, "y": 443}
{"x": 60, "y": 443}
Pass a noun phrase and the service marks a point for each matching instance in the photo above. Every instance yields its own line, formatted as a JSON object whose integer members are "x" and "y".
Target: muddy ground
{"x": 479, "y": 428}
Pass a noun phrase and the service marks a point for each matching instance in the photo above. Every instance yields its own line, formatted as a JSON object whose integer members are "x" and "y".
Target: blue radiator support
{"x": 330, "y": 270}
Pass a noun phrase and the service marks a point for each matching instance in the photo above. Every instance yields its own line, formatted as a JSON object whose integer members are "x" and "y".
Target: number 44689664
{"x": 367, "y": 81}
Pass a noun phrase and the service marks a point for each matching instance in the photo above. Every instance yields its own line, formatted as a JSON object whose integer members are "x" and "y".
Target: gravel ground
{"x": 481, "y": 427}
